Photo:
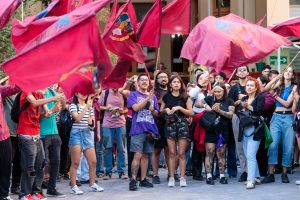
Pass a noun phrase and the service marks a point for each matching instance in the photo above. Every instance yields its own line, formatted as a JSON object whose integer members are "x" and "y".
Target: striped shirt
{"x": 83, "y": 124}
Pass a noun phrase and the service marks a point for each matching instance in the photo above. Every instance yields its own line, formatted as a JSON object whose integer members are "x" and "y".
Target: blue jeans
{"x": 99, "y": 153}
{"x": 281, "y": 128}
{"x": 83, "y": 169}
{"x": 250, "y": 147}
{"x": 109, "y": 134}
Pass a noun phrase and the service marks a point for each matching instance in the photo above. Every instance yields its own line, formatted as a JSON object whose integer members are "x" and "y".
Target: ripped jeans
{"x": 32, "y": 158}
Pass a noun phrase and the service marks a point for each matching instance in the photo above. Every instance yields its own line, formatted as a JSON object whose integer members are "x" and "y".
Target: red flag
{"x": 221, "y": 43}
{"x": 290, "y": 27}
{"x": 119, "y": 35}
{"x": 112, "y": 15}
{"x": 259, "y": 23}
{"x": 7, "y": 9}
{"x": 117, "y": 77}
{"x": 24, "y": 31}
{"x": 66, "y": 6}
{"x": 149, "y": 30}
{"x": 80, "y": 79}
{"x": 176, "y": 17}
{"x": 69, "y": 43}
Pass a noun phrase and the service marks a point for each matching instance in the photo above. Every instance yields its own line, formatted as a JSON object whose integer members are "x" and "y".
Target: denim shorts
{"x": 82, "y": 137}
{"x": 142, "y": 143}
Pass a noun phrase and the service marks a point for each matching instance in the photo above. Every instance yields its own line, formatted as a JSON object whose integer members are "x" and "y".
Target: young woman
{"x": 281, "y": 124}
{"x": 224, "y": 108}
{"x": 176, "y": 107}
{"x": 82, "y": 140}
{"x": 252, "y": 133}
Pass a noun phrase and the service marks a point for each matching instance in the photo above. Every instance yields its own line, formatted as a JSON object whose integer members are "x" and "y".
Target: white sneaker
{"x": 38, "y": 196}
{"x": 76, "y": 190}
{"x": 7, "y": 198}
{"x": 171, "y": 182}
{"x": 183, "y": 182}
{"x": 96, "y": 188}
{"x": 250, "y": 185}
{"x": 298, "y": 182}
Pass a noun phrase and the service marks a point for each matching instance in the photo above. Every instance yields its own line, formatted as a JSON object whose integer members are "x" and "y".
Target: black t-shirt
{"x": 172, "y": 101}
{"x": 224, "y": 105}
{"x": 235, "y": 91}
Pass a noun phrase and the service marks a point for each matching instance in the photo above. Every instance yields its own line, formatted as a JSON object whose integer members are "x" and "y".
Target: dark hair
{"x": 140, "y": 75}
{"x": 199, "y": 69}
{"x": 156, "y": 85}
{"x": 75, "y": 100}
{"x": 264, "y": 80}
{"x": 182, "y": 90}
{"x": 274, "y": 72}
{"x": 266, "y": 67}
{"x": 222, "y": 74}
{"x": 223, "y": 86}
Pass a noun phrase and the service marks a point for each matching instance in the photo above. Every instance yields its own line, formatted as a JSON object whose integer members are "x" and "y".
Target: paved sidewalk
{"x": 116, "y": 189}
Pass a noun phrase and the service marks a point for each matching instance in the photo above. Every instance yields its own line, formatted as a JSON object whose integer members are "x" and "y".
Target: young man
{"x": 144, "y": 106}
{"x": 5, "y": 145}
{"x": 31, "y": 147}
{"x": 51, "y": 143}
{"x": 266, "y": 71}
{"x": 236, "y": 93}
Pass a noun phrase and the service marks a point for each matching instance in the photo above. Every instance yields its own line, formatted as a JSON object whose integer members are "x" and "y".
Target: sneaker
{"x": 27, "y": 197}
{"x": 107, "y": 177}
{"x": 257, "y": 181}
{"x": 155, "y": 180}
{"x": 87, "y": 181}
{"x": 182, "y": 182}
{"x": 171, "y": 182}
{"x": 15, "y": 190}
{"x": 250, "y": 185}
{"x": 188, "y": 173}
{"x": 269, "y": 179}
{"x": 297, "y": 182}
{"x": 66, "y": 177}
{"x": 176, "y": 177}
{"x": 223, "y": 180}
{"x": 96, "y": 188}
{"x": 243, "y": 177}
{"x": 123, "y": 176}
{"x": 55, "y": 193}
{"x": 210, "y": 181}
{"x": 100, "y": 175}
{"x": 6, "y": 198}
{"x": 296, "y": 164}
{"x": 45, "y": 185}
{"x": 284, "y": 178}
{"x": 132, "y": 185}
{"x": 146, "y": 183}
{"x": 198, "y": 178}
{"x": 76, "y": 190}
{"x": 38, "y": 196}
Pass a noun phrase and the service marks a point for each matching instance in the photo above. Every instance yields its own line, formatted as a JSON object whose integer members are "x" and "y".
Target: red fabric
{"x": 118, "y": 76}
{"x": 66, "y": 6}
{"x": 176, "y": 17}
{"x": 287, "y": 28}
{"x": 24, "y": 31}
{"x": 29, "y": 119}
{"x": 222, "y": 43}
{"x": 259, "y": 23}
{"x": 149, "y": 29}
{"x": 60, "y": 50}
{"x": 7, "y": 9}
{"x": 199, "y": 135}
{"x": 120, "y": 32}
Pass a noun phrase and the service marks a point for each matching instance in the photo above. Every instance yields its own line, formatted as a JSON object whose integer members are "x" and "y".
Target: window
{"x": 294, "y": 2}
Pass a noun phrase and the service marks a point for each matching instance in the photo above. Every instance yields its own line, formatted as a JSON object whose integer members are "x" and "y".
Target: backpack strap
{"x": 105, "y": 97}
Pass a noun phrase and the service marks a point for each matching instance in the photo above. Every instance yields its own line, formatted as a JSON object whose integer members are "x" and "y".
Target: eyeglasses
{"x": 242, "y": 69}
{"x": 267, "y": 71}
{"x": 143, "y": 79}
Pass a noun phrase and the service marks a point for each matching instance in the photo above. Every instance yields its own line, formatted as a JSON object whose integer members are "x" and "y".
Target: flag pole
{"x": 293, "y": 58}
{"x": 22, "y": 8}
{"x": 157, "y": 59}
{"x": 232, "y": 75}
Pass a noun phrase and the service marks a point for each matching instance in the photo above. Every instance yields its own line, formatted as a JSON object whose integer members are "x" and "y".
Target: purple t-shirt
{"x": 142, "y": 121}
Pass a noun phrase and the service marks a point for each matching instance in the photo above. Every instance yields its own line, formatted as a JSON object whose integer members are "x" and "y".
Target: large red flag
{"x": 7, "y": 9}
{"x": 66, "y": 6}
{"x": 24, "y": 31}
{"x": 117, "y": 77}
{"x": 119, "y": 35}
{"x": 287, "y": 28}
{"x": 54, "y": 55}
{"x": 149, "y": 29}
{"x": 176, "y": 17}
{"x": 222, "y": 43}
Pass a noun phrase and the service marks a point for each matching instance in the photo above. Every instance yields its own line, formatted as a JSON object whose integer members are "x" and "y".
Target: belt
{"x": 29, "y": 137}
{"x": 284, "y": 112}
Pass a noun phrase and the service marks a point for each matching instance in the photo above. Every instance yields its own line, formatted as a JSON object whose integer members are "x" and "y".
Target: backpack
{"x": 209, "y": 121}
{"x": 65, "y": 121}
{"x": 104, "y": 104}
{"x": 16, "y": 110}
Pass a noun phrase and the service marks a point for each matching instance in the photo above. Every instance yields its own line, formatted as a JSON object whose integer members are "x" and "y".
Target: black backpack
{"x": 16, "y": 110}
{"x": 209, "y": 121}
